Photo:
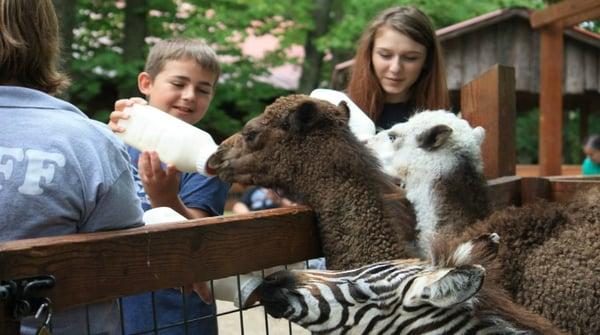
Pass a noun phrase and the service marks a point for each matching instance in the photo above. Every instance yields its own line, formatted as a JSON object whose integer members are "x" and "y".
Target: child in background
{"x": 591, "y": 164}
{"x": 179, "y": 78}
{"x": 258, "y": 198}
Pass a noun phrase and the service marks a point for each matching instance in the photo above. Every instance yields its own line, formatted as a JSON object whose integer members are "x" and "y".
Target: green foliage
{"x": 528, "y": 136}
{"x": 527, "y": 131}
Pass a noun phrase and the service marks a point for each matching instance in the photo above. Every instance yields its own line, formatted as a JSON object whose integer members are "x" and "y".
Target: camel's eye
{"x": 249, "y": 136}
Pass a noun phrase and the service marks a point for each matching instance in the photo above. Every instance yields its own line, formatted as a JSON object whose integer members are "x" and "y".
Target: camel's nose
{"x": 231, "y": 140}
{"x": 215, "y": 161}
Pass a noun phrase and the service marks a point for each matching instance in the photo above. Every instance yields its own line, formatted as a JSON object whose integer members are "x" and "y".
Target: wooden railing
{"x": 104, "y": 265}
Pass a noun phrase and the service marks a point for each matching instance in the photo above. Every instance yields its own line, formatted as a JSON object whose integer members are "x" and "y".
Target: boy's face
{"x": 182, "y": 89}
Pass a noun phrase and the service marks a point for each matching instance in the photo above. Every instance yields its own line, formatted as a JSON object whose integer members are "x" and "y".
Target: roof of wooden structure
{"x": 505, "y": 37}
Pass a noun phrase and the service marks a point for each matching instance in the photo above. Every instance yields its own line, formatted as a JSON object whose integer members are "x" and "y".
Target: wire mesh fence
{"x": 174, "y": 311}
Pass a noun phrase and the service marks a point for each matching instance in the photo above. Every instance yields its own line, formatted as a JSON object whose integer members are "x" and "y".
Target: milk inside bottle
{"x": 176, "y": 142}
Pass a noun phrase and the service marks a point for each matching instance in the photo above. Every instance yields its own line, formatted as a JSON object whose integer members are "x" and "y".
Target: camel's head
{"x": 288, "y": 139}
{"x": 429, "y": 143}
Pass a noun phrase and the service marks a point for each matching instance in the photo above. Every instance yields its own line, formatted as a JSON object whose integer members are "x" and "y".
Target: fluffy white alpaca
{"x": 436, "y": 155}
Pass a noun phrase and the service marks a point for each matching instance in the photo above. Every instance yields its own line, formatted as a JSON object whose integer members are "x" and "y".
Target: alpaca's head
{"x": 296, "y": 138}
{"x": 429, "y": 144}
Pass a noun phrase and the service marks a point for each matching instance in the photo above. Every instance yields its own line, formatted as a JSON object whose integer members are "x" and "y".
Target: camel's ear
{"x": 304, "y": 118}
{"x": 434, "y": 137}
{"x": 343, "y": 111}
{"x": 447, "y": 287}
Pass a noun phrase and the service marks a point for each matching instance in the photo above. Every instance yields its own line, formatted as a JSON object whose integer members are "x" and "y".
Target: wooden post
{"x": 551, "y": 104}
{"x": 534, "y": 188}
{"x": 489, "y": 101}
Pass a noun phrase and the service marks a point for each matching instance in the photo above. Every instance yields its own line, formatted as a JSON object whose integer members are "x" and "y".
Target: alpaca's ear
{"x": 446, "y": 287}
{"x": 434, "y": 137}
{"x": 304, "y": 118}
{"x": 479, "y": 134}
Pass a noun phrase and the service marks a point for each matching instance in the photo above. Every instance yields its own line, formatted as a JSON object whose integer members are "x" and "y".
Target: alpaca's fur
{"x": 303, "y": 146}
{"x": 549, "y": 255}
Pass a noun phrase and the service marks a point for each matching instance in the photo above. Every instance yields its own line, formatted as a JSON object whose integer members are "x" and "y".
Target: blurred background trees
{"x": 267, "y": 48}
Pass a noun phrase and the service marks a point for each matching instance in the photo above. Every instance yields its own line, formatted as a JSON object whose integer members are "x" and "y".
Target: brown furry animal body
{"x": 304, "y": 147}
{"x": 550, "y": 259}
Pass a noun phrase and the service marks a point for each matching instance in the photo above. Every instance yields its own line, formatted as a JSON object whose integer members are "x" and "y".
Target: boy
{"x": 591, "y": 164}
{"x": 179, "y": 78}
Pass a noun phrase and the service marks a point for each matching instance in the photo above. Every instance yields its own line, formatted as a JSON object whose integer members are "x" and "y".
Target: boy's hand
{"x": 121, "y": 104}
{"x": 161, "y": 185}
{"x": 119, "y": 113}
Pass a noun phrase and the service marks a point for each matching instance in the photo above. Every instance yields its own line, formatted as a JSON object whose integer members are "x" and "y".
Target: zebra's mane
{"x": 493, "y": 301}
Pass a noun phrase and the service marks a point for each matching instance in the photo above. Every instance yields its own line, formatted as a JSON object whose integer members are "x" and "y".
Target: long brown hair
{"x": 428, "y": 92}
{"x": 29, "y": 45}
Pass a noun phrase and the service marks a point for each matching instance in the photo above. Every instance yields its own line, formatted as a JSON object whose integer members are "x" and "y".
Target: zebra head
{"x": 391, "y": 297}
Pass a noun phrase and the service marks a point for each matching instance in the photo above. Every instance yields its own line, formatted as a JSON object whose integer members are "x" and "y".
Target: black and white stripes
{"x": 392, "y": 297}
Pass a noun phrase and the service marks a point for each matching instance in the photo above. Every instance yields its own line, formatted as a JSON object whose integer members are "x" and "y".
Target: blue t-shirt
{"x": 589, "y": 167}
{"x": 195, "y": 191}
{"x": 62, "y": 173}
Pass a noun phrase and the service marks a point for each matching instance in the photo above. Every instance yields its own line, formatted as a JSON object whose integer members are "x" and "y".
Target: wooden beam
{"x": 551, "y": 100}
{"x": 534, "y": 188}
{"x": 583, "y": 9}
{"x": 504, "y": 192}
{"x": 564, "y": 189}
{"x": 489, "y": 101}
{"x": 585, "y": 16}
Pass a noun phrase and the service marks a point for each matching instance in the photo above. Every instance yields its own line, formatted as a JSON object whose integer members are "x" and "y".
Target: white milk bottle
{"x": 176, "y": 142}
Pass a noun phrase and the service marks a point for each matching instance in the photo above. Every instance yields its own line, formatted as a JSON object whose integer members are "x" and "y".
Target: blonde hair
{"x": 29, "y": 45}
{"x": 179, "y": 49}
{"x": 428, "y": 92}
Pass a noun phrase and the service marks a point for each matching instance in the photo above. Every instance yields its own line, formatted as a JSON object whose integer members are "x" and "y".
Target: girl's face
{"x": 397, "y": 62}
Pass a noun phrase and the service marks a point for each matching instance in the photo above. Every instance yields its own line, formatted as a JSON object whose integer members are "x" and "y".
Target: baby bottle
{"x": 176, "y": 142}
{"x": 360, "y": 124}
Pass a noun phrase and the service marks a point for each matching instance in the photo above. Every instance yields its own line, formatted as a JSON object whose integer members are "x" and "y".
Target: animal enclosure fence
{"x": 93, "y": 267}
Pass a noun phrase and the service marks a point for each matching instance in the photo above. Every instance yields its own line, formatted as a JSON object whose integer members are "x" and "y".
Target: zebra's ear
{"x": 447, "y": 287}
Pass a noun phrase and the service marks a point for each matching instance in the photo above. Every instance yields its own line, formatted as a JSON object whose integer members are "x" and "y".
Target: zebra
{"x": 444, "y": 295}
